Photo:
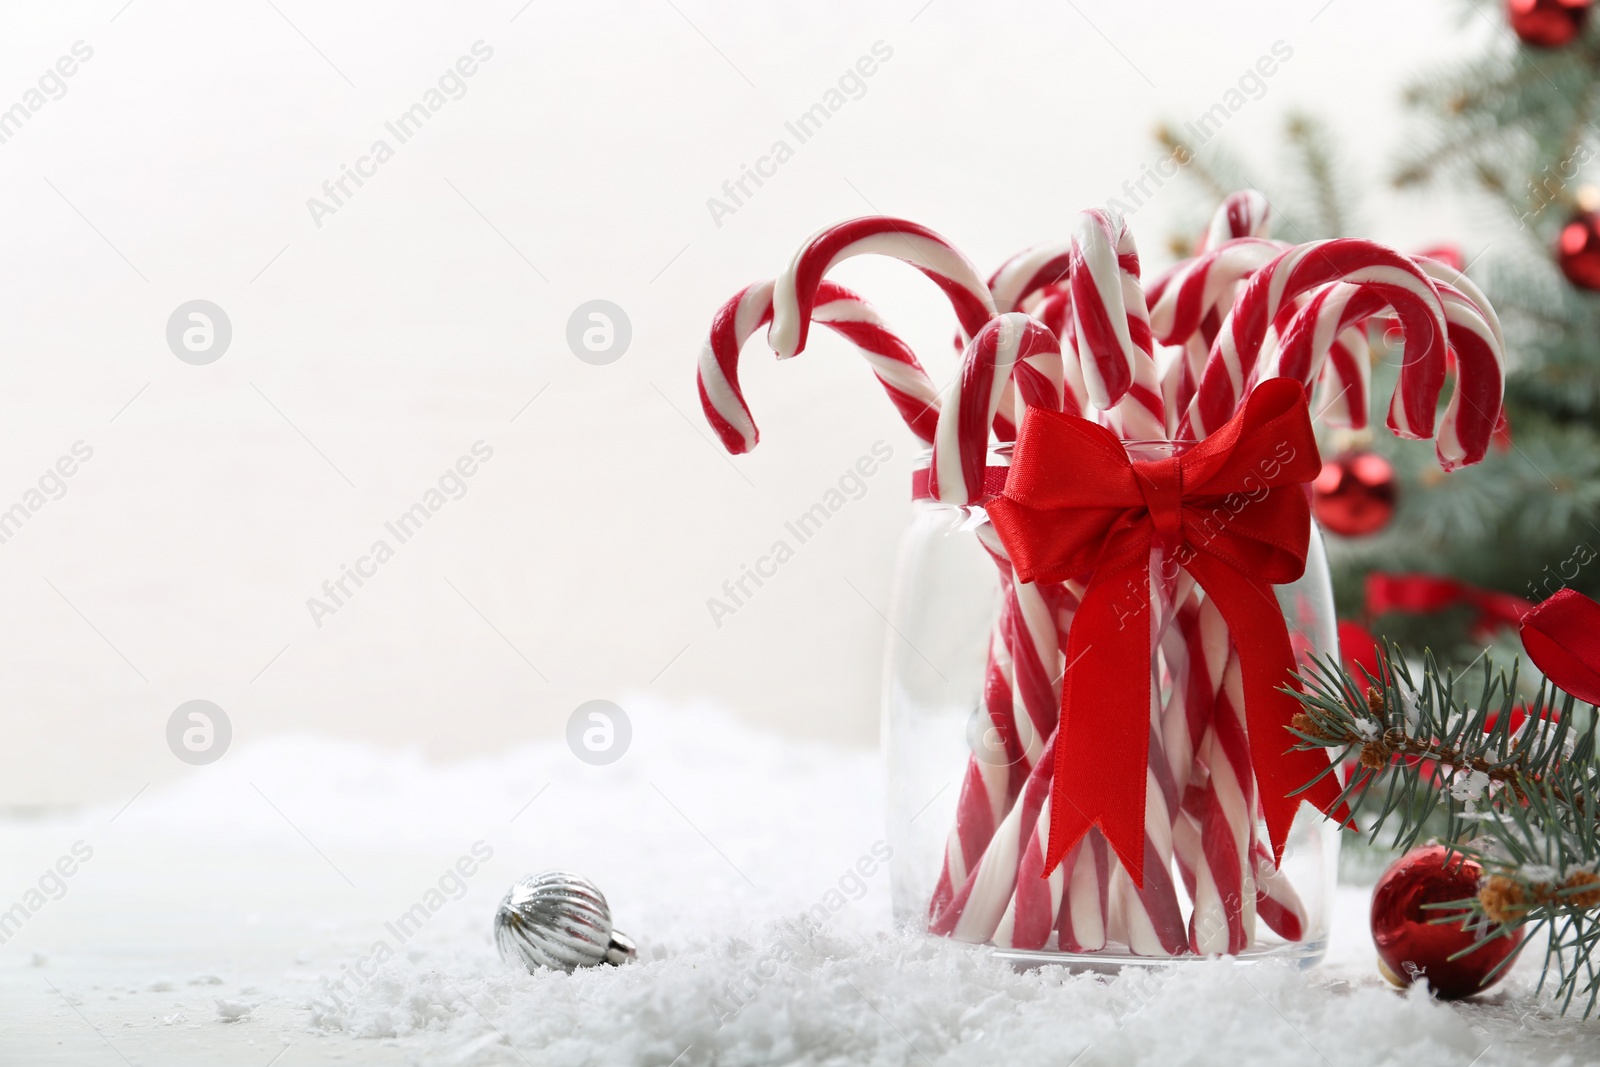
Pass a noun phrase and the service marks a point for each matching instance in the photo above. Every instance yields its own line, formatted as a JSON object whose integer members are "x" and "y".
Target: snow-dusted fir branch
{"x": 1542, "y": 874}
{"x": 1518, "y": 784}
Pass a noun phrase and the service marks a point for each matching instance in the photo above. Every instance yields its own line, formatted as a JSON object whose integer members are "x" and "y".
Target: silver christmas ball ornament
{"x": 558, "y": 920}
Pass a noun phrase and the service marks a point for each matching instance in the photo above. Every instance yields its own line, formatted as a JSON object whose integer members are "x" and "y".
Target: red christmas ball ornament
{"x": 1578, "y": 251}
{"x": 1547, "y": 23}
{"x": 1355, "y": 495}
{"x": 1412, "y": 947}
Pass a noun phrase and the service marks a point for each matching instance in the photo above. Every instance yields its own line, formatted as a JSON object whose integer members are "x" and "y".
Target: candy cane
{"x": 990, "y": 785}
{"x": 1223, "y": 919}
{"x": 1269, "y": 297}
{"x": 1151, "y": 914}
{"x": 796, "y": 291}
{"x": 1151, "y": 918}
{"x": 1081, "y": 923}
{"x": 908, "y": 385}
{"x": 1181, "y": 299}
{"x": 1346, "y": 382}
{"x": 977, "y": 908}
{"x": 1245, "y": 213}
{"x": 1476, "y": 402}
{"x": 1054, "y": 310}
{"x": 1032, "y": 912}
{"x": 1028, "y": 272}
{"x": 1277, "y": 902}
{"x": 1474, "y": 336}
{"x": 1012, "y": 349}
{"x": 1326, "y": 342}
{"x": 1188, "y": 303}
{"x": 1021, "y": 701}
{"x": 1112, "y": 326}
{"x": 1316, "y": 327}
{"x": 1196, "y": 653}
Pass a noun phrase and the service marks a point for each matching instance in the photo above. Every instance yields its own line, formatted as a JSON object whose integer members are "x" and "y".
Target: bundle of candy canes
{"x": 1071, "y": 327}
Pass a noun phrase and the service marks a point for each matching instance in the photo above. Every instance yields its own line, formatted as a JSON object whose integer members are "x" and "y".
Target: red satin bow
{"x": 1562, "y": 637}
{"x": 1232, "y": 512}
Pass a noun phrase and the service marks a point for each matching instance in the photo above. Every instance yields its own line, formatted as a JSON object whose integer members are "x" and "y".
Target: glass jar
{"x": 972, "y": 691}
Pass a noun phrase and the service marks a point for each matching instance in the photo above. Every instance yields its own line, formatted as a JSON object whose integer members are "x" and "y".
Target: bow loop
{"x": 1254, "y": 532}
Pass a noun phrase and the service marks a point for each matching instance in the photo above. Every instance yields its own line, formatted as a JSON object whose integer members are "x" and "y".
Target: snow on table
{"x": 309, "y": 901}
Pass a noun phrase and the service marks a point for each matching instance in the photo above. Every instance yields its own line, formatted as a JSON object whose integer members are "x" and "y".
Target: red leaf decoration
{"x": 1562, "y": 637}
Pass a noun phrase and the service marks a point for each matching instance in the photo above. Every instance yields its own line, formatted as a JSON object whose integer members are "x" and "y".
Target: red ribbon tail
{"x": 1068, "y": 823}
{"x": 1103, "y": 758}
{"x": 1266, "y": 658}
{"x": 1289, "y": 773}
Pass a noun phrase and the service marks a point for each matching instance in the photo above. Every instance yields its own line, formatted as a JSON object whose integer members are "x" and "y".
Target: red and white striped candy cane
{"x": 1054, "y": 309}
{"x": 910, "y": 389}
{"x": 1016, "y": 286}
{"x": 1474, "y": 335}
{"x": 975, "y": 912}
{"x": 1316, "y": 325}
{"x": 1269, "y": 298}
{"x": 796, "y": 291}
{"x": 1225, "y": 865}
{"x": 1028, "y": 273}
{"x": 1071, "y": 902}
{"x": 1151, "y": 916}
{"x": 994, "y": 776}
{"x": 1277, "y": 903}
{"x": 1021, "y": 702}
{"x": 1245, "y": 213}
{"x": 1346, "y": 382}
{"x": 1152, "y": 919}
{"x": 1112, "y": 327}
{"x": 1013, "y": 349}
{"x": 1081, "y": 924}
{"x": 1223, "y": 919}
{"x": 1212, "y": 820}
{"x": 1182, "y": 298}
{"x": 1030, "y": 915}
{"x": 1188, "y": 303}
{"x": 1326, "y": 343}
{"x": 1477, "y": 401}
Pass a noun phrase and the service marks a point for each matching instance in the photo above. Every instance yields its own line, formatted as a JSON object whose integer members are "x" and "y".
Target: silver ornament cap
{"x": 558, "y": 920}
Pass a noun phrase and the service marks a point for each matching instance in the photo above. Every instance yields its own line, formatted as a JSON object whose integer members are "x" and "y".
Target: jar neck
{"x": 999, "y": 454}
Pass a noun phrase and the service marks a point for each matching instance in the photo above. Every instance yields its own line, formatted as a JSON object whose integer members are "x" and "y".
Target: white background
{"x": 368, "y": 354}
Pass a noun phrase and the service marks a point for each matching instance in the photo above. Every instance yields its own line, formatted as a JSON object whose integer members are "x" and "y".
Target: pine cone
{"x": 1588, "y": 898}
{"x": 1502, "y": 899}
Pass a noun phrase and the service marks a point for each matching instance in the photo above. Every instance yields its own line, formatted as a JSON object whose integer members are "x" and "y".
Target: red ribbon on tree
{"x": 1423, "y": 594}
{"x": 1231, "y": 510}
{"x": 1562, "y": 637}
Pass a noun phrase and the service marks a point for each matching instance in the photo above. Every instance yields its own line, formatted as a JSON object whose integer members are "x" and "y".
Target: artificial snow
{"x": 313, "y": 893}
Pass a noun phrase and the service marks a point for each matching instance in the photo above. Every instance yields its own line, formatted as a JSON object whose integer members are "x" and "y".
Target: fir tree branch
{"x": 1522, "y": 801}
{"x": 1186, "y": 156}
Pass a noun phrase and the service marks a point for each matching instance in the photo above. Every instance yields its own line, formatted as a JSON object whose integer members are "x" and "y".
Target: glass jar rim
{"x": 1002, "y": 450}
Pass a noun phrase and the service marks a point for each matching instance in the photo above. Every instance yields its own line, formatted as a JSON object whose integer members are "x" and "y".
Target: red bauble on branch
{"x": 1355, "y": 494}
{"x": 1578, "y": 251}
{"x": 1547, "y": 23}
{"x": 1411, "y": 947}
